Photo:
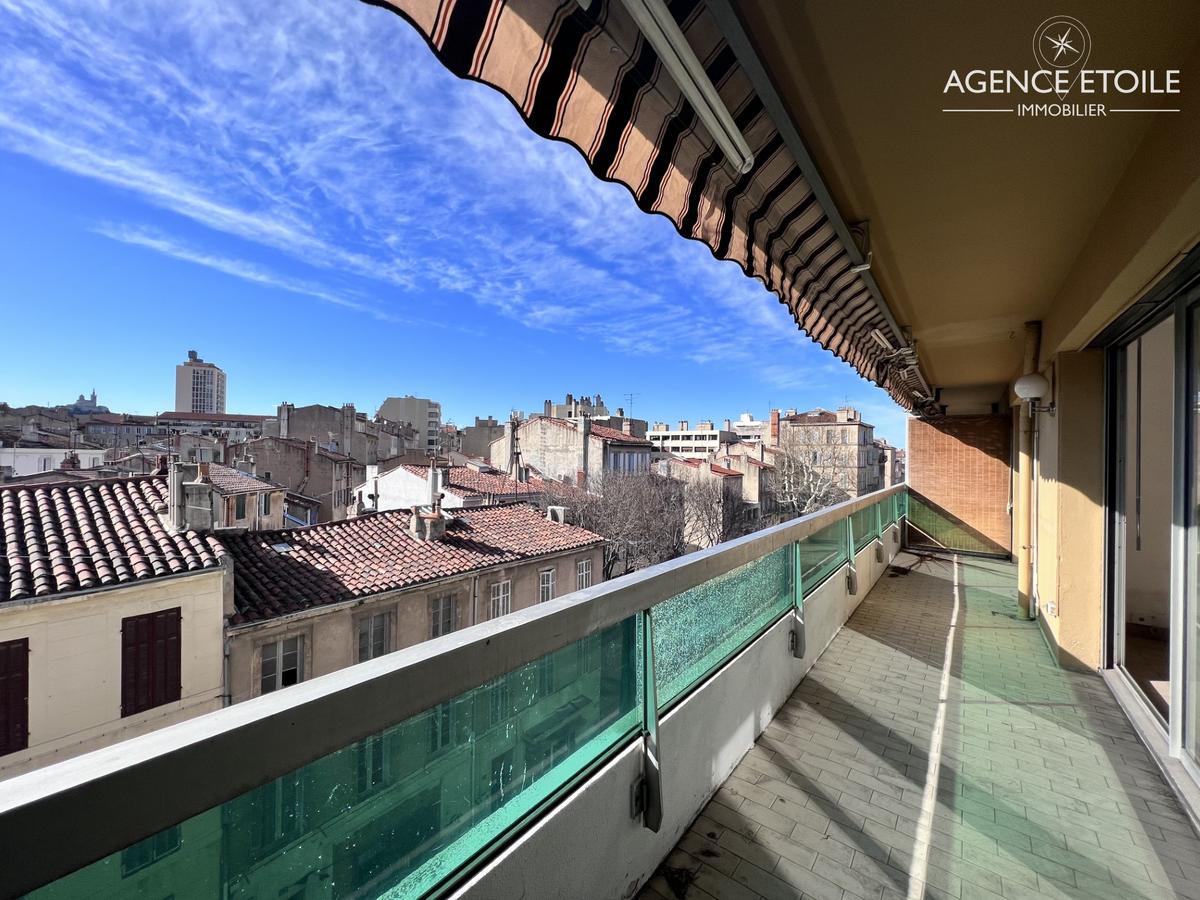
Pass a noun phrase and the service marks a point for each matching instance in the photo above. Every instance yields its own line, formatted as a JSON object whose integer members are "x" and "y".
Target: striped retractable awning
{"x": 584, "y": 73}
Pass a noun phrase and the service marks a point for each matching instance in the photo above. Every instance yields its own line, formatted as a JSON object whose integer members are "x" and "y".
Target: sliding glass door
{"x": 1144, "y": 511}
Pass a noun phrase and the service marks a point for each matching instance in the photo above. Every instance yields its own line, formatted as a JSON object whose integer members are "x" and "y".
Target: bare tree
{"x": 807, "y": 477}
{"x": 641, "y": 514}
{"x": 713, "y": 511}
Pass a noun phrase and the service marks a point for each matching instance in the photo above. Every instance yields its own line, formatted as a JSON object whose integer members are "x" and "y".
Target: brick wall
{"x": 959, "y": 468}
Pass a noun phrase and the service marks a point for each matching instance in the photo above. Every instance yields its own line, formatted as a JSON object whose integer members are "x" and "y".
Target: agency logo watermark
{"x": 1062, "y": 47}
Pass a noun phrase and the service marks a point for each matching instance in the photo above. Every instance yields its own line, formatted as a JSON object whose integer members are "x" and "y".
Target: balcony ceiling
{"x": 980, "y": 222}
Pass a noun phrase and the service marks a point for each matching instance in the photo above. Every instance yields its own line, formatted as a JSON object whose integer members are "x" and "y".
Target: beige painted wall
{"x": 331, "y": 633}
{"x": 75, "y": 664}
{"x": 1070, "y": 510}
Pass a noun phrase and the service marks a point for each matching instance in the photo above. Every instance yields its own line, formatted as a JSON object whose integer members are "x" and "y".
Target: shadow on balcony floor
{"x": 935, "y": 750}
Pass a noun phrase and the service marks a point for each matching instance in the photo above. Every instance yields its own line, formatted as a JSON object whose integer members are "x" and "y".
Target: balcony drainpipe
{"x": 1033, "y": 339}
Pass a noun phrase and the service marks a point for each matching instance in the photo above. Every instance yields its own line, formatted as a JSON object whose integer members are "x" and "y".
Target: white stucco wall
{"x": 32, "y": 460}
{"x": 400, "y": 489}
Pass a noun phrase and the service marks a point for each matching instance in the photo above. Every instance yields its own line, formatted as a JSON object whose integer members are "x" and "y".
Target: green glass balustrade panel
{"x": 698, "y": 630}
{"x": 822, "y": 554}
{"x": 866, "y": 527}
{"x": 400, "y": 812}
{"x": 889, "y": 508}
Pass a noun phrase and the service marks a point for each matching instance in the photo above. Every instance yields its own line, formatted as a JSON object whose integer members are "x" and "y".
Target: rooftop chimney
{"x": 728, "y": 425}
{"x": 775, "y": 427}
{"x": 427, "y": 523}
{"x": 191, "y": 498}
{"x": 683, "y": 424}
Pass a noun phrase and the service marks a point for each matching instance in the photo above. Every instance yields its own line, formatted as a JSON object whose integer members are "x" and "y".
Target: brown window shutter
{"x": 14, "y": 695}
{"x": 150, "y": 660}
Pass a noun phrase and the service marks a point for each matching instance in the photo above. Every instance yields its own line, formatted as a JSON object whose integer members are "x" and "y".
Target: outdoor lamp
{"x": 1030, "y": 389}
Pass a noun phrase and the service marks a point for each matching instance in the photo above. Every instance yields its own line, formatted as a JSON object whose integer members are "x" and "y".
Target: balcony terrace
{"x": 654, "y": 733}
{"x": 936, "y": 750}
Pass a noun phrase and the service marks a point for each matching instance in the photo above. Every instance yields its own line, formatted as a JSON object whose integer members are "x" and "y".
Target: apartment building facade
{"x": 476, "y": 440}
{"x": 837, "y": 442}
{"x": 700, "y": 441}
{"x": 102, "y": 645}
{"x": 304, "y": 468}
{"x": 576, "y": 452}
{"x": 31, "y": 451}
{"x": 216, "y": 496}
{"x": 474, "y": 484}
{"x": 199, "y": 386}
{"x": 342, "y": 429}
{"x": 314, "y": 600}
{"x": 421, "y": 413}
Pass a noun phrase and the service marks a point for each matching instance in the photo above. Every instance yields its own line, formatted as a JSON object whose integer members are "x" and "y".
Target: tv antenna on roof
{"x": 629, "y": 398}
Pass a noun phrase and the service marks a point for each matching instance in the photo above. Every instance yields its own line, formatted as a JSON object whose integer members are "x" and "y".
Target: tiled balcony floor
{"x": 1041, "y": 788}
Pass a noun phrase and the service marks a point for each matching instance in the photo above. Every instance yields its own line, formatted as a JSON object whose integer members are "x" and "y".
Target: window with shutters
{"x": 583, "y": 574}
{"x": 264, "y": 503}
{"x": 239, "y": 507}
{"x": 14, "y": 695}
{"x": 150, "y": 660}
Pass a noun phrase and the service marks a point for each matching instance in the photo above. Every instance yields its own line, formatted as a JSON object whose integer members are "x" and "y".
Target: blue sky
{"x": 309, "y": 200}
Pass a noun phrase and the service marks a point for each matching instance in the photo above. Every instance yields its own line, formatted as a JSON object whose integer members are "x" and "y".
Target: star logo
{"x": 1061, "y": 42}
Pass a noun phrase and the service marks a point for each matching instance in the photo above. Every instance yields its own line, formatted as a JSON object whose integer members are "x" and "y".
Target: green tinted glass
{"x": 866, "y": 527}
{"x": 696, "y": 631}
{"x": 822, "y": 554}
{"x": 404, "y": 809}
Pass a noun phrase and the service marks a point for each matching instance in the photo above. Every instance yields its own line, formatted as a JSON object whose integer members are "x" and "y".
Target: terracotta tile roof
{"x": 69, "y": 537}
{"x": 618, "y": 437}
{"x": 177, "y": 416}
{"x": 226, "y": 480}
{"x": 15, "y": 437}
{"x": 721, "y": 470}
{"x": 328, "y": 563}
{"x": 612, "y": 435}
{"x": 815, "y": 417}
{"x": 468, "y": 482}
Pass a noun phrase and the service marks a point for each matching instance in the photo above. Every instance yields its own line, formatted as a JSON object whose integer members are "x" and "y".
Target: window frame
{"x": 239, "y": 506}
{"x": 378, "y": 624}
{"x": 500, "y": 598}
{"x": 278, "y": 655}
{"x": 438, "y": 612}
{"x": 583, "y": 573}
{"x": 544, "y": 584}
{"x": 160, "y": 845}
{"x": 371, "y": 764}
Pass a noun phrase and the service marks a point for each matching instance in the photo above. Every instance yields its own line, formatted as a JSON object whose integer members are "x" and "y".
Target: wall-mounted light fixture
{"x": 1030, "y": 389}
